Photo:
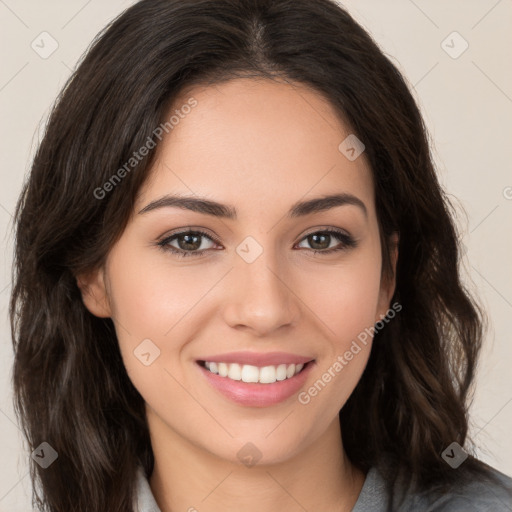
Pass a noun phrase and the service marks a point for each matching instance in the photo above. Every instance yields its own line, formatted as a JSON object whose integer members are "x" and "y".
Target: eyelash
{"x": 347, "y": 242}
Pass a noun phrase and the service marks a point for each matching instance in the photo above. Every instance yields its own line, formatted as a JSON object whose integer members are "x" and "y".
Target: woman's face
{"x": 253, "y": 283}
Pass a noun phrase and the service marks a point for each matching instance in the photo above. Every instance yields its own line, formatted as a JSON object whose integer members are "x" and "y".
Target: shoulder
{"x": 144, "y": 501}
{"x": 478, "y": 495}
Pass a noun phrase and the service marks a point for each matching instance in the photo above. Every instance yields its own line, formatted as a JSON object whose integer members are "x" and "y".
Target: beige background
{"x": 467, "y": 104}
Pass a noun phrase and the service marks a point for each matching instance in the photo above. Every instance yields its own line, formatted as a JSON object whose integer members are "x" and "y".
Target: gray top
{"x": 476, "y": 497}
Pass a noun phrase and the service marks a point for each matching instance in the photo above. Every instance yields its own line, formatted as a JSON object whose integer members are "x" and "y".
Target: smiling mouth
{"x": 254, "y": 374}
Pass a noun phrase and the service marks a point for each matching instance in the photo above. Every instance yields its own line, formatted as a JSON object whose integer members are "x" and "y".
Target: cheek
{"x": 345, "y": 299}
{"x": 346, "y": 305}
{"x": 152, "y": 295}
{"x": 154, "y": 299}
{"x": 149, "y": 300}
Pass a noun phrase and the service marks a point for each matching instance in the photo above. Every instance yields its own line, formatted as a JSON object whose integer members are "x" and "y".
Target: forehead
{"x": 260, "y": 140}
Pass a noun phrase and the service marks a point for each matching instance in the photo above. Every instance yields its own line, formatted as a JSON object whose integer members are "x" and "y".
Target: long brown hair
{"x": 71, "y": 387}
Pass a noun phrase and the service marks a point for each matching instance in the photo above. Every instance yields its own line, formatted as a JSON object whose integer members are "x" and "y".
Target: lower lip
{"x": 255, "y": 394}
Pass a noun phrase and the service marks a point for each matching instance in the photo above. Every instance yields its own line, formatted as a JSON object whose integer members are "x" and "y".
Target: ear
{"x": 388, "y": 285}
{"x": 94, "y": 293}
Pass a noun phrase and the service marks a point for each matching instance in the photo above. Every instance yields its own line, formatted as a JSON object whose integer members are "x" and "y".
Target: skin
{"x": 259, "y": 146}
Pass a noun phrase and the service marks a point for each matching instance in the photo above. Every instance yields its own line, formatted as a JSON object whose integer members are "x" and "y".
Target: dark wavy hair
{"x": 70, "y": 384}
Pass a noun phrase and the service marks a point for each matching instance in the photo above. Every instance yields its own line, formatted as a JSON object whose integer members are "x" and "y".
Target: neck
{"x": 186, "y": 477}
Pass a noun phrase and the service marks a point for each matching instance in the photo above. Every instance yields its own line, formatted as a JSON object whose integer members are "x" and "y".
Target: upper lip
{"x": 258, "y": 359}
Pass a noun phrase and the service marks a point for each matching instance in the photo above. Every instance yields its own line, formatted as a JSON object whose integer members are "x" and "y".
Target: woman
{"x": 237, "y": 276}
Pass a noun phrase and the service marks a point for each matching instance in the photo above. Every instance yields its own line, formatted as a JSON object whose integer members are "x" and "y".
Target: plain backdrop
{"x": 456, "y": 57}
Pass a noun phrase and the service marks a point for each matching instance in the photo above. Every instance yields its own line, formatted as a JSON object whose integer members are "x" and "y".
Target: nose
{"x": 261, "y": 298}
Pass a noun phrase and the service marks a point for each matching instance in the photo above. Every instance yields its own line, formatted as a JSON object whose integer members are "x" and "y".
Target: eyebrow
{"x": 209, "y": 207}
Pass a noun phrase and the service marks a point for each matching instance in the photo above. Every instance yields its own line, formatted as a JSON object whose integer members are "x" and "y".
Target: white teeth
{"x": 267, "y": 374}
{"x": 223, "y": 369}
{"x": 250, "y": 373}
{"x": 281, "y": 372}
{"x": 235, "y": 372}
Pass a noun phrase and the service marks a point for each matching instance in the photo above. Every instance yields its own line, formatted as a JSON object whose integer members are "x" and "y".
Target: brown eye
{"x": 189, "y": 243}
{"x": 320, "y": 241}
